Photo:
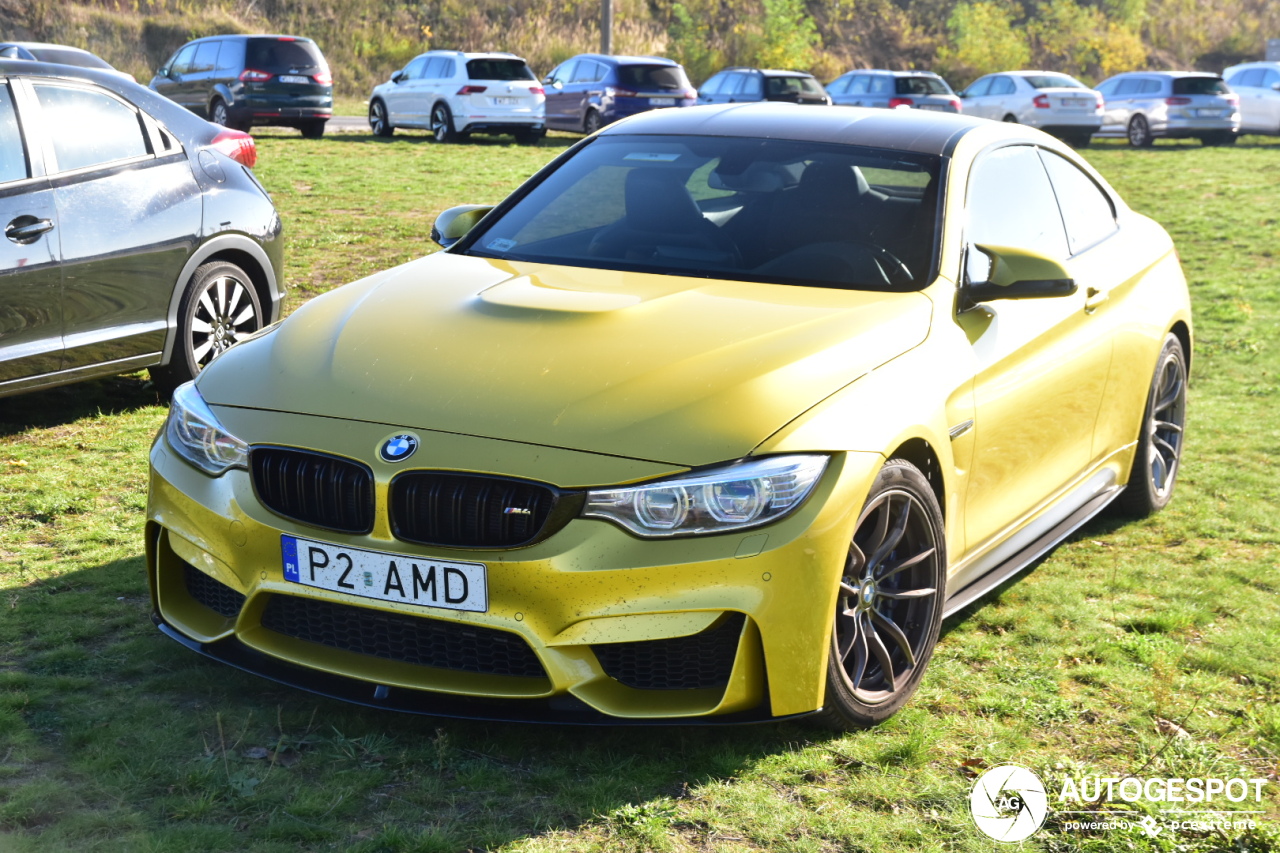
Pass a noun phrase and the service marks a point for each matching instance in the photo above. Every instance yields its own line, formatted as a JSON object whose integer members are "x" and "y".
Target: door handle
{"x": 1093, "y": 298}
{"x": 27, "y": 229}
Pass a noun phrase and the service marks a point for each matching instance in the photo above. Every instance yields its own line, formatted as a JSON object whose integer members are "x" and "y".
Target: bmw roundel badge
{"x": 399, "y": 447}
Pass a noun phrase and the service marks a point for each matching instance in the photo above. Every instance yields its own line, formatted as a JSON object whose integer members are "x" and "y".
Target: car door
{"x": 30, "y": 279}
{"x": 179, "y": 86}
{"x": 585, "y": 86}
{"x": 128, "y": 219}
{"x": 199, "y": 77}
{"x": 558, "y": 100}
{"x": 1269, "y": 98}
{"x": 975, "y": 98}
{"x": 1120, "y": 106}
{"x": 1040, "y": 366}
{"x": 399, "y": 98}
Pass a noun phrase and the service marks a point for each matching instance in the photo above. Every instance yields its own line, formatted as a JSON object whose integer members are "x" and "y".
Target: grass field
{"x": 1148, "y": 648}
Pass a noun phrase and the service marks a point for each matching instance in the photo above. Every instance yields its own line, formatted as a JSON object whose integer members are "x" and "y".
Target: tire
{"x": 1221, "y": 138}
{"x": 889, "y": 606}
{"x": 1140, "y": 132}
{"x": 1010, "y": 119}
{"x": 591, "y": 122}
{"x": 529, "y": 137}
{"x": 218, "y": 112}
{"x": 1160, "y": 437}
{"x": 1080, "y": 141}
{"x": 219, "y": 307}
{"x": 442, "y": 123}
{"x": 379, "y": 121}
{"x": 312, "y": 129}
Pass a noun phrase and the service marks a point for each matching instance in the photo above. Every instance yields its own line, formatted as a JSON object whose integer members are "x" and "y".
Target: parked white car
{"x": 1258, "y": 85}
{"x": 454, "y": 94}
{"x": 1143, "y": 106}
{"x": 1056, "y": 103}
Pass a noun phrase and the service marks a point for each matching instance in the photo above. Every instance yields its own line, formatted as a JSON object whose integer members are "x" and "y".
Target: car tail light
{"x": 237, "y": 145}
{"x": 1177, "y": 102}
{"x": 1232, "y": 98}
{"x": 250, "y": 75}
{"x": 1101, "y": 104}
{"x": 1041, "y": 102}
{"x": 955, "y": 104}
{"x": 894, "y": 103}
{"x": 471, "y": 90}
{"x": 620, "y": 93}
{"x": 689, "y": 94}
{"x": 537, "y": 90}
{"x": 324, "y": 78}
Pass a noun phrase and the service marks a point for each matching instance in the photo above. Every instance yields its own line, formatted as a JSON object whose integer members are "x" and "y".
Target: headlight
{"x": 194, "y": 432}
{"x": 735, "y": 497}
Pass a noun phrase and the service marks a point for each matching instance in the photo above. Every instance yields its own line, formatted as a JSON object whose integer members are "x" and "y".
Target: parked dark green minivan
{"x": 241, "y": 81}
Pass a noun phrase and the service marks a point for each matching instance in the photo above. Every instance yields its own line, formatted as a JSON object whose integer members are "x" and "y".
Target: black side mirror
{"x": 398, "y": 76}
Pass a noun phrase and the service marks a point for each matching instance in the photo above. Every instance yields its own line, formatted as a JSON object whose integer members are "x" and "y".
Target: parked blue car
{"x": 591, "y": 90}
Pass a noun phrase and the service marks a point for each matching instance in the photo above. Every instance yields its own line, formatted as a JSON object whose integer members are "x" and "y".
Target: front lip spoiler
{"x": 562, "y": 710}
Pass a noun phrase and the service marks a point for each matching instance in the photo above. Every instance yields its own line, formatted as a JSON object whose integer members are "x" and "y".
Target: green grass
{"x": 113, "y": 738}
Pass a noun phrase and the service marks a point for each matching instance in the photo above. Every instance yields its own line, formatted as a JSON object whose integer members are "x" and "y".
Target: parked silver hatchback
{"x": 1144, "y": 106}
{"x": 1258, "y": 85}
{"x": 917, "y": 90}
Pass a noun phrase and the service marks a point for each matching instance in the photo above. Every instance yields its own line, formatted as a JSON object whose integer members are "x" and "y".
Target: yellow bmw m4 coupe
{"x": 714, "y": 419}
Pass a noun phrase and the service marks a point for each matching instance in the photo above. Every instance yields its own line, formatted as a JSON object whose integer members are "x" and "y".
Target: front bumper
{"x": 726, "y": 628}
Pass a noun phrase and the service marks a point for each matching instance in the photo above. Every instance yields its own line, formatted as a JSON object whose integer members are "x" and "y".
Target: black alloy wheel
{"x": 889, "y": 604}
{"x": 1140, "y": 132}
{"x": 442, "y": 124}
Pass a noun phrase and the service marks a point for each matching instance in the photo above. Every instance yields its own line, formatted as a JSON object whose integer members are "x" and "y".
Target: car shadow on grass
{"x": 68, "y": 403}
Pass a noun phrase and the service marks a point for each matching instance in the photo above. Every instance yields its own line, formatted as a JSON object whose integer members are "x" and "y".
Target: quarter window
{"x": 117, "y": 133}
{"x": 1086, "y": 210}
{"x": 1011, "y": 203}
{"x": 206, "y": 57}
{"x": 13, "y": 157}
{"x": 751, "y": 86}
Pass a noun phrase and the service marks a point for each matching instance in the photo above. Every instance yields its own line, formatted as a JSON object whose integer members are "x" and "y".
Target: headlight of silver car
{"x": 745, "y": 494}
{"x": 194, "y": 432}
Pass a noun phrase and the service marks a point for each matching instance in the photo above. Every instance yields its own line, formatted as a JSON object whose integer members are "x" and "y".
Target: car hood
{"x": 686, "y": 371}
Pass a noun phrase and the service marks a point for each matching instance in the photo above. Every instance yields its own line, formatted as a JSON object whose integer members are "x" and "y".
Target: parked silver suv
{"x": 1258, "y": 85}
{"x": 1148, "y": 105}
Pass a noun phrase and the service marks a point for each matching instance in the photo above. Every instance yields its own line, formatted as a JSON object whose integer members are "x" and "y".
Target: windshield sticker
{"x": 502, "y": 244}
{"x": 652, "y": 157}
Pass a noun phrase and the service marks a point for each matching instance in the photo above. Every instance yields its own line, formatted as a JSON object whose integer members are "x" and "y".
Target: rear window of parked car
{"x": 282, "y": 55}
{"x": 786, "y": 85}
{"x": 1053, "y": 81}
{"x": 922, "y": 86}
{"x": 498, "y": 69}
{"x": 653, "y": 76}
{"x": 68, "y": 57}
{"x": 1199, "y": 86}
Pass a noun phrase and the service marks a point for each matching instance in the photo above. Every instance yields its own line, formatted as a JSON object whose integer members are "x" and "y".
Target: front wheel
{"x": 378, "y": 119}
{"x": 218, "y": 308}
{"x": 442, "y": 124}
{"x": 1140, "y": 132}
{"x": 1159, "y": 452}
{"x": 889, "y": 604}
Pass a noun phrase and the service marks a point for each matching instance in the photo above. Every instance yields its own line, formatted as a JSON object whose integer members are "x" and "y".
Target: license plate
{"x": 384, "y": 576}
{"x": 937, "y": 107}
{"x": 1077, "y": 102}
{"x": 1209, "y": 113}
{"x": 294, "y": 78}
{"x": 662, "y": 102}
{"x": 504, "y": 102}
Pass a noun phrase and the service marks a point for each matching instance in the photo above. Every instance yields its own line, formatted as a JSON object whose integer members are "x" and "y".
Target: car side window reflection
{"x": 13, "y": 157}
{"x": 117, "y": 132}
{"x": 1011, "y": 203}
{"x": 1086, "y": 210}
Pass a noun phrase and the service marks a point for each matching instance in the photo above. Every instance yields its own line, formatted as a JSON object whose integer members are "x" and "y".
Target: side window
{"x": 448, "y": 69}
{"x": 1086, "y": 210}
{"x": 1002, "y": 86}
{"x": 978, "y": 89}
{"x": 712, "y": 86}
{"x": 858, "y": 85}
{"x": 415, "y": 68}
{"x": 1128, "y": 86}
{"x": 182, "y": 62}
{"x": 751, "y": 86}
{"x": 13, "y": 157}
{"x": 564, "y": 73}
{"x": 1108, "y": 88}
{"x": 588, "y": 72}
{"x": 434, "y": 68}
{"x": 117, "y": 132}
{"x": 206, "y": 57}
{"x": 1149, "y": 87}
{"x": 838, "y": 86}
{"x": 881, "y": 85}
{"x": 733, "y": 85}
{"x": 231, "y": 55}
{"x": 1270, "y": 77}
{"x": 1011, "y": 203}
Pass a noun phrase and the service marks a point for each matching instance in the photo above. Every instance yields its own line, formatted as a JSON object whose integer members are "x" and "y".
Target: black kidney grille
{"x": 682, "y": 663}
{"x": 410, "y": 639}
{"x": 215, "y": 595}
{"x": 468, "y": 511}
{"x": 324, "y": 491}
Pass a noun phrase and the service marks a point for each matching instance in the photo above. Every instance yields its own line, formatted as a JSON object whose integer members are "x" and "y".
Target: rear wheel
{"x": 1081, "y": 140}
{"x": 218, "y": 308}
{"x": 530, "y": 136}
{"x": 218, "y": 112}
{"x": 1140, "y": 132}
{"x": 1159, "y": 452}
{"x": 1010, "y": 119}
{"x": 313, "y": 129}
{"x": 889, "y": 605}
{"x": 591, "y": 122}
{"x": 442, "y": 124}
{"x": 378, "y": 120}
{"x": 1224, "y": 137}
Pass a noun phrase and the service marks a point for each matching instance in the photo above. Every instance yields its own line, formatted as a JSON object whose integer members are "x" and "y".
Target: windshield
{"x": 922, "y": 86}
{"x": 1053, "y": 81}
{"x": 792, "y": 86}
{"x": 1199, "y": 86}
{"x": 498, "y": 69}
{"x": 653, "y": 77}
{"x": 729, "y": 208}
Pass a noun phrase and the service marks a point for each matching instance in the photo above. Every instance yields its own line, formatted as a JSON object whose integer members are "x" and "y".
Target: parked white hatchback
{"x": 455, "y": 94}
{"x": 1258, "y": 85}
{"x": 1056, "y": 103}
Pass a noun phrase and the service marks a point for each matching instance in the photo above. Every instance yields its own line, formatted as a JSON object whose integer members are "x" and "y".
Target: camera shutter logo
{"x": 1008, "y": 803}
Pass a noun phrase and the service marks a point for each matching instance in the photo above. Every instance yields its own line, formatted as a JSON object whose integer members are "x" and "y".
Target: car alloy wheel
{"x": 889, "y": 604}
{"x": 378, "y": 119}
{"x": 218, "y": 112}
{"x": 591, "y": 123}
{"x": 219, "y": 308}
{"x": 442, "y": 124}
{"x": 1139, "y": 132}
{"x": 1159, "y": 451}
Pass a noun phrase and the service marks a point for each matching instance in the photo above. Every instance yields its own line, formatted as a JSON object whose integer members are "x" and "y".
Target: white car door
{"x": 399, "y": 95}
